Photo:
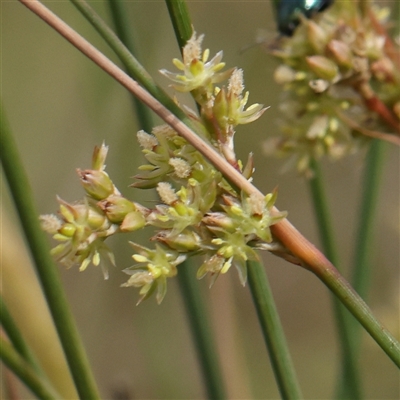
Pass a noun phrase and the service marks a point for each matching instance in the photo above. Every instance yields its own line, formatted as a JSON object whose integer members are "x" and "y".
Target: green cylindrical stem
{"x": 28, "y": 375}
{"x": 273, "y": 332}
{"x": 362, "y": 261}
{"x": 180, "y": 18}
{"x": 356, "y": 305}
{"x": 45, "y": 267}
{"x": 15, "y": 336}
{"x": 195, "y": 308}
{"x": 133, "y": 67}
{"x": 124, "y": 31}
{"x": 349, "y": 384}
{"x": 202, "y": 332}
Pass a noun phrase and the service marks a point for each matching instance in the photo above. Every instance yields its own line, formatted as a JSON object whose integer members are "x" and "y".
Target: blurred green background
{"x": 60, "y": 105}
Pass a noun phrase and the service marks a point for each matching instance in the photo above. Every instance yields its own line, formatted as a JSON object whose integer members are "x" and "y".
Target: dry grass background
{"x": 60, "y": 106}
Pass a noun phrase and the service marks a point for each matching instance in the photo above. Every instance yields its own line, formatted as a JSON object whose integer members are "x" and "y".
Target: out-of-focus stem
{"x": 20, "y": 367}
{"x": 15, "y": 336}
{"x": 376, "y": 105}
{"x": 362, "y": 258}
{"x": 45, "y": 267}
{"x": 349, "y": 383}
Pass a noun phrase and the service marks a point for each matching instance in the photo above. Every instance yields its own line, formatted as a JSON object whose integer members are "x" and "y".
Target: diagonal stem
{"x": 193, "y": 302}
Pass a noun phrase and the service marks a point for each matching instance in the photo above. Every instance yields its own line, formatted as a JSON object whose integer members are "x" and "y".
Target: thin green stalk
{"x": 259, "y": 286}
{"x": 182, "y": 24}
{"x": 361, "y": 277}
{"x": 362, "y": 259}
{"x": 349, "y": 384}
{"x": 124, "y": 31}
{"x": 16, "y": 338}
{"x": 360, "y": 310}
{"x": 273, "y": 332}
{"x": 202, "y": 332}
{"x": 45, "y": 267}
{"x": 195, "y": 308}
{"x": 19, "y": 366}
{"x": 18, "y": 342}
{"x": 321, "y": 208}
{"x": 180, "y": 18}
{"x": 133, "y": 67}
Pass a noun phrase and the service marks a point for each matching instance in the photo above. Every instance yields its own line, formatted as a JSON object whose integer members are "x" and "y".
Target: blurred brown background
{"x": 60, "y": 105}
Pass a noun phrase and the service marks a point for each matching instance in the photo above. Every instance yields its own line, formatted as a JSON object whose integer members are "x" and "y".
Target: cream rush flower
{"x": 237, "y": 113}
{"x": 198, "y": 73}
{"x": 153, "y": 268}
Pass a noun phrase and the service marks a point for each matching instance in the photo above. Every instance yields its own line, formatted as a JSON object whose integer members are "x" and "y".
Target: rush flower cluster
{"x": 198, "y": 213}
{"x": 334, "y": 70}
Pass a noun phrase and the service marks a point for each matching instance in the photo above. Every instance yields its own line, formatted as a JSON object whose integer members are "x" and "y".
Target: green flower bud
{"x": 99, "y": 157}
{"x": 96, "y": 218}
{"x": 341, "y": 52}
{"x": 86, "y": 214}
{"x": 133, "y": 221}
{"x": 220, "y": 220}
{"x": 316, "y": 36}
{"x": 67, "y": 230}
{"x": 323, "y": 67}
{"x": 97, "y": 184}
{"x": 116, "y": 208}
{"x": 184, "y": 241}
{"x": 220, "y": 108}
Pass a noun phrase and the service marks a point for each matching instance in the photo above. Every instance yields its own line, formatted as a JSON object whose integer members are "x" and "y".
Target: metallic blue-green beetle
{"x": 287, "y": 12}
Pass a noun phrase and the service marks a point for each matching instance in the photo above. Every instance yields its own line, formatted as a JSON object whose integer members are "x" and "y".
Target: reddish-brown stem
{"x": 374, "y": 104}
{"x": 388, "y": 137}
